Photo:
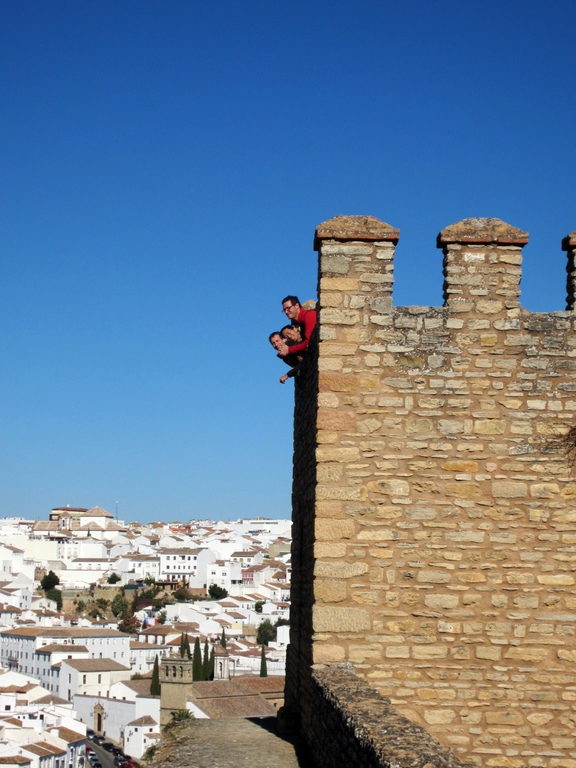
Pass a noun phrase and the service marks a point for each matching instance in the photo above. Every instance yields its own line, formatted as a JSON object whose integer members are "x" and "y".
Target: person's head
{"x": 291, "y": 307}
{"x": 276, "y": 339}
{"x": 290, "y": 333}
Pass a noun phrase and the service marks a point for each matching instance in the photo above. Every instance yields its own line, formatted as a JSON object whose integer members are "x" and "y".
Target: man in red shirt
{"x": 305, "y": 319}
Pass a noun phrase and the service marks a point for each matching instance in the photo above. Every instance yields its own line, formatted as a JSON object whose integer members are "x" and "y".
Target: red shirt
{"x": 306, "y": 321}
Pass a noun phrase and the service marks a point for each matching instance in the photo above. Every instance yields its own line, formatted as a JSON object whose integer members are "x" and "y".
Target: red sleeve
{"x": 307, "y": 322}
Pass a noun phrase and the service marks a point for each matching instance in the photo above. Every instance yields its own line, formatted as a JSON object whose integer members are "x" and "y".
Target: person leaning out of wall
{"x": 303, "y": 319}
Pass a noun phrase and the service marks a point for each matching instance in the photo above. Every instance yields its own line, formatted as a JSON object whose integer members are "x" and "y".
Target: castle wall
{"x": 434, "y": 517}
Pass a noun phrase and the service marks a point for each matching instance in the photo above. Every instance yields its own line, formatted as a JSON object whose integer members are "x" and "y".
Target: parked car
{"x": 107, "y": 746}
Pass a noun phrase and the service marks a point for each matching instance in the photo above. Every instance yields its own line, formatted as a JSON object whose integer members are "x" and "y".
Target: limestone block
{"x": 337, "y": 453}
{"x": 339, "y": 284}
{"x": 430, "y": 651}
{"x": 330, "y": 590}
{"x": 328, "y": 653}
{"x": 340, "y": 619}
{"x": 329, "y": 549}
{"x": 333, "y": 530}
{"x": 489, "y": 427}
{"x": 340, "y": 569}
{"x": 526, "y": 654}
{"x": 509, "y": 489}
{"x": 439, "y": 716}
{"x": 441, "y": 602}
{"x": 556, "y": 579}
{"x": 332, "y": 316}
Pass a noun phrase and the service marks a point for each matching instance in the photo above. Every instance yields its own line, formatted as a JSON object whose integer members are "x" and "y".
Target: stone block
{"x": 339, "y": 569}
{"x": 326, "y": 529}
{"x": 340, "y": 619}
{"x": 509, "y": 489}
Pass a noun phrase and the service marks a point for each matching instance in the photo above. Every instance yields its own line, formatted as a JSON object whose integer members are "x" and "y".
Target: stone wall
{"x": 434, "y": 517}
{"x": 355, "y": 726}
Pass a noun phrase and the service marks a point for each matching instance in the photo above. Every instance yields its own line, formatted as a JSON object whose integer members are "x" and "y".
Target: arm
{"x": 307, "y": 321}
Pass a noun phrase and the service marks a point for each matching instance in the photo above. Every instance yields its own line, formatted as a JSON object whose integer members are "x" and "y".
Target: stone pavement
{"x": 229, "y": 743}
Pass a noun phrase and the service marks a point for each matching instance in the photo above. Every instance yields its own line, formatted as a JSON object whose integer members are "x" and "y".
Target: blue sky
{"x": 164, "y": 166}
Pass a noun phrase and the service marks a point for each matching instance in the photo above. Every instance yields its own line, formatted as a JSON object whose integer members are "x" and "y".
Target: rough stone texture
{"x": 355, "y": 726}
{"x": 233, "y": 743}
{"x": 426, "y": 442}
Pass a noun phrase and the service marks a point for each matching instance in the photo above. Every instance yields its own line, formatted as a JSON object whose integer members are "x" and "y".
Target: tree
{"x": 206, "y": 662}
{"x": 223, "y": 639}
{"x": 155, "y": 683}
{"x": 282, "y": 623}
{"x": 184, "y": 649}
{"x": 113, "y": 578}
{"x": 149, "y": 754}
{"x": 102, "y": 604}
{"x": 197, "y": 661}
{"x": 212, "y": 664}
{"x": 80, "y": 606}
{"x": 49, "y": 581}
{"x": 161, "y": 617}
{"x": 258, "y": 606}
{"x": 119, "y": 605}
{"x": 263, "y": 664}
{"x": 56, "y": 595}
{"x": 266, "y": 632}
{"x": 130, "y": 624}
{"x": 216, "y": 592}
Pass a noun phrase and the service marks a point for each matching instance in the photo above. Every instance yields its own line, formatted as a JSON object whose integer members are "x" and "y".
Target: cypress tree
{"x": 182, "y": 646}
{"x": 206, "y": 662}
{"x": 197, "y": 662}
{"x": 223, "y": 639}
{"x": 211, "y": 670}
{"x": 187, "y": 646}
{"x": 263, "y": 664}
{"x": 155, "y": 683}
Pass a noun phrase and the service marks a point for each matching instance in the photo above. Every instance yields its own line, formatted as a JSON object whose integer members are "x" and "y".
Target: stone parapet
{"x": 354, "y": 725}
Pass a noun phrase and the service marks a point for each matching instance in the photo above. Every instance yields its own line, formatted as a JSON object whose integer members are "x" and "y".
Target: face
{"x": 290, "y": 310}
{"x": 276, "y": 340}
{"x": 292, "y": 334}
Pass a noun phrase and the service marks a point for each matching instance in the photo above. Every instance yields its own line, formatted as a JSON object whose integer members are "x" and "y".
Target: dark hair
{"x": 274, "y": 333}
{"x": 285, "y": 328}
{"x": 291, "y": 299}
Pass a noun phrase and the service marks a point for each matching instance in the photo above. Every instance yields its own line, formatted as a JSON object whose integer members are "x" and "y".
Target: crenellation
{"x": 442, "y": 562}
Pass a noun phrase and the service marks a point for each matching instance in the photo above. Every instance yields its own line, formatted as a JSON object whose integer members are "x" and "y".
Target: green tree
{"x": 161, "y": 617}
{"x": 197, "y": 661}
{"x": 266, "y": 632}
{"x": 282, "y": 623}
{"x": 56, "y": 595}
{"x": 206, "y": 662}
{"x": 119, "y": 606}
{"x": 155, "y": 683}
{"x": 212, "y": 664}
{"x": 49, "y": 581}
{"x": 113, "y": 578}
{"x": 129, "y": 624}
{"x": 102, "y": 604}
{"x": 258, "y": 606}
{"x": 216, "y": 592}
{"x": 263, "y": 664}
{"x": 150, "y": 753}
{"x": 223, "y": 639}
{"x": 80, "y": 606}
{"x": 185, "y": 652}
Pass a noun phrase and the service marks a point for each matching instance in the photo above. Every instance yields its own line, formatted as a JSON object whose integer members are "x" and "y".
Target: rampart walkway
{"x": 230, "y": 743}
